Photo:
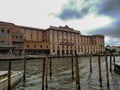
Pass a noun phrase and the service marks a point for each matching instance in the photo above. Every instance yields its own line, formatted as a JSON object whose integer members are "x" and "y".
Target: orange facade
{"x": 54, "y": 40}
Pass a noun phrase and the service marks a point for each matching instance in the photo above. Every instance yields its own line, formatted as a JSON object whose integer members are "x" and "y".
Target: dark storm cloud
{"x": 73, "y": 11}
{"x": 109, "y": 7}
{"x": 70, "y": 14}
{"x": 102, "y": 7}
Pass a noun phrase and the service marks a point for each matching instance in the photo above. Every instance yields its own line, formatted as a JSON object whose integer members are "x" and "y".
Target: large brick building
{"x": 54, "y": 40}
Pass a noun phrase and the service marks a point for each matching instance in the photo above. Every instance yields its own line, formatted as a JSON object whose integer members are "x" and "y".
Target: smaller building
{"x": 115, "y": 49}
{"x": 91, "y": 44}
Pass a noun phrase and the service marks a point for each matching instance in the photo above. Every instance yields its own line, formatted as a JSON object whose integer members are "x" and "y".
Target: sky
{"x": 88, "y": 16}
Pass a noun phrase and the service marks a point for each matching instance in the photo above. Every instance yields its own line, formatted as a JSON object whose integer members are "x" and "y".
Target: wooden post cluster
{"x": 107, "y": 71}
{"x": 45, "y": 73}
{"x": 9, "y": 75}
{"x": 77, "y": 71}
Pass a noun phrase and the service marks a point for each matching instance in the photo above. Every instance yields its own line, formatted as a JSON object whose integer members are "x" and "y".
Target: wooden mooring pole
{"x": 90, "y": 64}
{"x": 99, "y": 67}
{"x": 43, "y": 74}
{"x": 9, "y": 75}
{"x": 24, "y": 73}
{"x": 72, "y": 66}
{"x": 50, "y": 66}
{"x": 114, "y": 61}
{"x": 77, "y": 71}
{"x": 46, "y": 71}
{"x": 110, "y": 62}
{"x": 107, "y": 72}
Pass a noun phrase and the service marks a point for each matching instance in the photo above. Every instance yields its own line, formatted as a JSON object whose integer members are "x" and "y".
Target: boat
{"x": 15, "y": 77}
{"x": 117, "y": 69}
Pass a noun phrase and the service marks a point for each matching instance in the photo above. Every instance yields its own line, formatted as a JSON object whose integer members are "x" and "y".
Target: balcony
{"x": 17, "y": 47}
{"x": 66, "y": 43}
{"x": 18, "y": 40}
{"x": 4, "y": 47}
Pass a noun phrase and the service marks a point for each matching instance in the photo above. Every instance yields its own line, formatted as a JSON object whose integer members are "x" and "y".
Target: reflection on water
{"x": 62, "y": 77}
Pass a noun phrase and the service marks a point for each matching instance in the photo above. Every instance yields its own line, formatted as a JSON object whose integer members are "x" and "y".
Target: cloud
{"x": 111, "y": 41}
{"x": 71, "y": 14}
{"x": 109, "y": 7}
{"x": 76, "y": 9}
{"x": 112, "y": 30}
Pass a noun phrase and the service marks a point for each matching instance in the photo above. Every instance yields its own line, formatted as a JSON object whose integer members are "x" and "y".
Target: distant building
{"x": 113, "y": 48}
{"x": 91, "y": 44}
{"x": 54, "y": 40}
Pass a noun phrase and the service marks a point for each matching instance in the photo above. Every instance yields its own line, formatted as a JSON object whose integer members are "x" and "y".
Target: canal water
{"x": 62, "y": 78}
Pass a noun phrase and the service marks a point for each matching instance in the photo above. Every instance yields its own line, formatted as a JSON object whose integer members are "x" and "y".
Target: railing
{"x": 66, "y": 43}
{"x": 18, "y": 40}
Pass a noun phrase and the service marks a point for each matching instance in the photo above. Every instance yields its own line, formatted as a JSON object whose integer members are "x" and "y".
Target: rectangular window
{"x": 24, "y": 31}
{"x": 37, "y": 35}
{"x": 2, "y": 32}
{"x": 2, "y": 42}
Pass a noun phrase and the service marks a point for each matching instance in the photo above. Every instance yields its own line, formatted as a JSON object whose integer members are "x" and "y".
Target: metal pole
{"x": 9, "y": 75}
{"x": 99, "y": 67}
{"x": 107, "y": 73}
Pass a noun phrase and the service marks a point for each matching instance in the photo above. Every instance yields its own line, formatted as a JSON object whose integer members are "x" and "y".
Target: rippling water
{"x": 62, "y": 78}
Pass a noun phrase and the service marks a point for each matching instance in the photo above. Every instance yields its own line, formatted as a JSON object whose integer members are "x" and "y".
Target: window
{"x": 34, "y": 46}
{"x": 27, "y": 46}
{"x": 40, "y": 46}
{"x": 20, "y": 37}
{"x": 62, "y": 46}
{"x": 67, "y": 47}
{"x": 16, "y": 37}
{"x": 47, "y": 46}
{"x": 2, "y": 42}
{"x": 8, "y": 31}
{"x": 2, "y": 30}
{"x": 24, "y": 31}
{"x": 37, "y": 35}
{"x": 7, "y": 43}
{"x": 31, "y": 36}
